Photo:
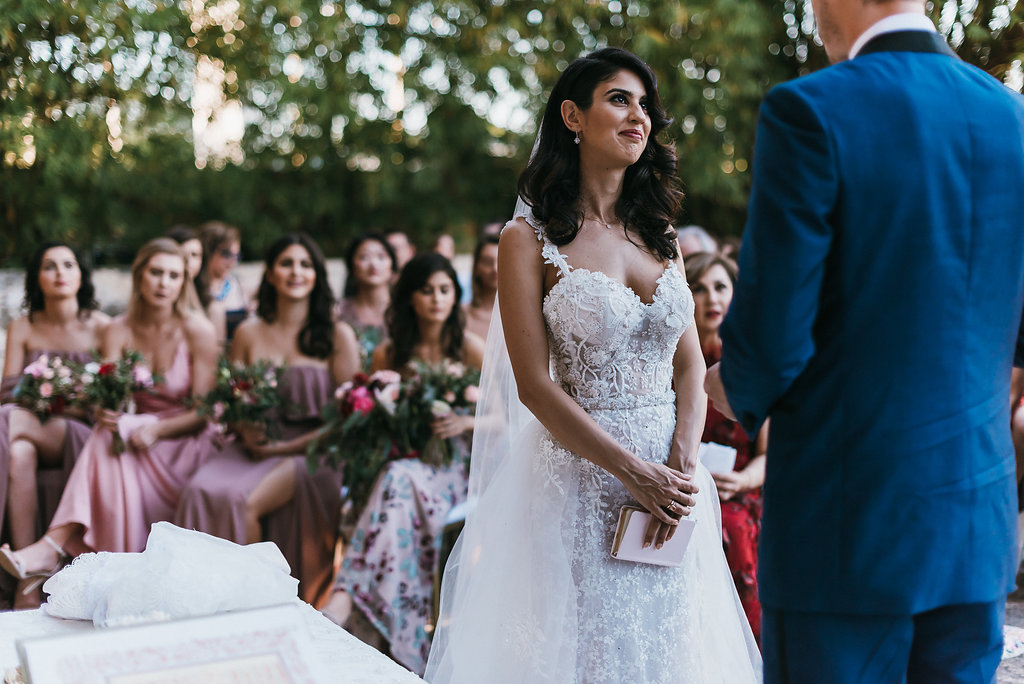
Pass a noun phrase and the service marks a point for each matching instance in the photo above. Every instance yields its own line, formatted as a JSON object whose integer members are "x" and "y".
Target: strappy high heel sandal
{"x": 14, "y": 566}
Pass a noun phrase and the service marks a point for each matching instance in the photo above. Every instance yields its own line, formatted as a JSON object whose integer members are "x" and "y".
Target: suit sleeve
{"x": 767, "y": 335}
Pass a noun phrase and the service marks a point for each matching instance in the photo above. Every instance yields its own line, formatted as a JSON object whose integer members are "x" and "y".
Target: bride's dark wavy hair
{"x": 316, "y": 339}
{"x": 550, "y": 184}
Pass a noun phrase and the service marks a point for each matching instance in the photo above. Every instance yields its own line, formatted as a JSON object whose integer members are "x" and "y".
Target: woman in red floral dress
{"x": 711, "y": 278}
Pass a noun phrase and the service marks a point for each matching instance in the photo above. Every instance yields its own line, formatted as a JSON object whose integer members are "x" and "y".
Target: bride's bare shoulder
{"x": 518, "y": 235}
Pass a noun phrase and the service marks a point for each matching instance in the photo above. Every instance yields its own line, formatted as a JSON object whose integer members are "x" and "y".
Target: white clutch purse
{"x": 629, "y": 539}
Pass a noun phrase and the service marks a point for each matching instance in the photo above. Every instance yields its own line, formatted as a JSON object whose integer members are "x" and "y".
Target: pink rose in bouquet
{"x": 358, "y": 435}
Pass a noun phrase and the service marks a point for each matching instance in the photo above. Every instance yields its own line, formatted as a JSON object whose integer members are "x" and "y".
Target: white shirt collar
{"x": 905, "y": 21}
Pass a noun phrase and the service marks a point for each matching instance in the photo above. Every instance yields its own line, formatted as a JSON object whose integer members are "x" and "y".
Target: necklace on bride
{"x": 601, "y": 221}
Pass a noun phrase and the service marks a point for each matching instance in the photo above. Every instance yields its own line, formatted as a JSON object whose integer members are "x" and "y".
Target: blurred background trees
{"x": 119, "y": 118}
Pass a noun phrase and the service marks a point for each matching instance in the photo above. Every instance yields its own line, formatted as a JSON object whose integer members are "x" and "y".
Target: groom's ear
{"x": 571, "y": 115}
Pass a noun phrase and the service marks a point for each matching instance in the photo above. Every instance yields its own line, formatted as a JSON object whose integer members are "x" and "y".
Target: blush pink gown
{"x": 50, "y": 480}
{"x": 116, "y": 498}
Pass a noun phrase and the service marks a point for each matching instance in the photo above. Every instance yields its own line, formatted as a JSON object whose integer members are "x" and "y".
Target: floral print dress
{"x": 390, "y": 564}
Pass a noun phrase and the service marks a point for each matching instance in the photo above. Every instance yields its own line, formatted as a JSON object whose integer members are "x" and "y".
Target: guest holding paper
{"x": 712, "y": 278}
{"x": 259, "y": 486}
{"x": 112, "y": 498}
{"x": 62, "y": 321}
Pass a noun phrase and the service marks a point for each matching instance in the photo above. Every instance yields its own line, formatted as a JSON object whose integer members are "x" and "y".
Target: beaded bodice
{"x": 609, "y": 348}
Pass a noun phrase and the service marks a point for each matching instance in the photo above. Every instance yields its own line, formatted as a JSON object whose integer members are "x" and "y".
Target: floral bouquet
{"x": 47, "y": 386}
{"x": 111, "y": 385}
{"x": 359, "y": 431}
{"x": 242, "y": 394}
{"x": 435, "y": 391}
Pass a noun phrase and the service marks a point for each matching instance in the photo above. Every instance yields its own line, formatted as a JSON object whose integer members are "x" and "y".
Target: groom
{"x": 875, "y": 320}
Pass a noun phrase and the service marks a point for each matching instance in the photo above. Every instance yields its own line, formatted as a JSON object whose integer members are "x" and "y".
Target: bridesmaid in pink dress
{"x": 111, "y": 500}
{"x": 36, "y": 457}
{"x": 258, "y": 488}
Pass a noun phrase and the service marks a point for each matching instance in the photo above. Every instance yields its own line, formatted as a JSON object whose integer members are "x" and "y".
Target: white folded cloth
{"x": 182, "y": 573}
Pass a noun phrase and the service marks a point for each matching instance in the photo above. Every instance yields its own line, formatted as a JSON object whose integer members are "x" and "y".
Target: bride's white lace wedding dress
{"x": 532, "y": 593}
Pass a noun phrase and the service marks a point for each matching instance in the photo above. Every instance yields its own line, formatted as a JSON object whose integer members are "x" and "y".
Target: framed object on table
{"x": 263, "y": 646}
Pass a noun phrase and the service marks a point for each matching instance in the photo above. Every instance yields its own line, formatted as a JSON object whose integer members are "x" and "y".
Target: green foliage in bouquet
{"x": 435, "y": 391}
{"x": 110, "y": 385}
{"x": 359, "y": 432}
{"x": 242, "y": 393}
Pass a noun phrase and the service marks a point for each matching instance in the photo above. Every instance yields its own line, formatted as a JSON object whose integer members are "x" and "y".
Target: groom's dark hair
{"x": 550, "y": 184}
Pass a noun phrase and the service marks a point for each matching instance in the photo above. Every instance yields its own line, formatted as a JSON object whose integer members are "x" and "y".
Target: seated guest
{"x": 111, "y": 498}
{"x": 197, "y": 295}
{"x": 711, "y": 280}
{"x": 403, "y": 247}
{"x": 371, "y": 267}
{"x": 695, "y": 239}
{"x": 222, "y": 245}
{"x": 259, "y": 486}
{"x": 444, "y": 244}
{"x": 62, "y": 321}
{"x": 485, "y": 286}
{"x": 388, "y": 572}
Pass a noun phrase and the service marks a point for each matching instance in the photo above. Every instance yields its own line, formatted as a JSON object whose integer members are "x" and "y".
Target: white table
{"x": 352, "y": 660}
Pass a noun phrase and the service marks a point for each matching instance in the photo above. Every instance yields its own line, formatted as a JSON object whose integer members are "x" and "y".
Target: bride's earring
{"x": 577, "y": 138}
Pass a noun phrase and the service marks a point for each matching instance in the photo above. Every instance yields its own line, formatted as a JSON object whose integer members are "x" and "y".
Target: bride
{"x": 597, "y": 320}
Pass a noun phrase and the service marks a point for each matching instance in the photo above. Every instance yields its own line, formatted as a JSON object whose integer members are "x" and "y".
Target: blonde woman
{"x": 111, "y": 499}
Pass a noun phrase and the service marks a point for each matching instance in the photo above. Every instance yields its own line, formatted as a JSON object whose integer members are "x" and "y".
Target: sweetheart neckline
{"x": 646, "y": 305}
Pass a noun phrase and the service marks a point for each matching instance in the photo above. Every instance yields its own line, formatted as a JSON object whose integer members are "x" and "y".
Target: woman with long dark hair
{"x": 259, "y": 486}
{"x": 388, "y": 571}
{"x": 111, "y": 499}
{"x": 604, "y": 408}
{"x": 370, "y": 266}
{"x": 36, "y": 457}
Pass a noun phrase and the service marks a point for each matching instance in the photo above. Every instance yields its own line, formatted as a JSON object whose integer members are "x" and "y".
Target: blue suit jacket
{"x": 875, "y": 320}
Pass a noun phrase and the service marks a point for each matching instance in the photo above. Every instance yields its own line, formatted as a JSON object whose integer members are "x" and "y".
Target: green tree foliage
{"x": 370, "y": 113}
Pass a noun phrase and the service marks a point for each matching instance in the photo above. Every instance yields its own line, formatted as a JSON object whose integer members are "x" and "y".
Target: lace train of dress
{"x": 531, "y": 593}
